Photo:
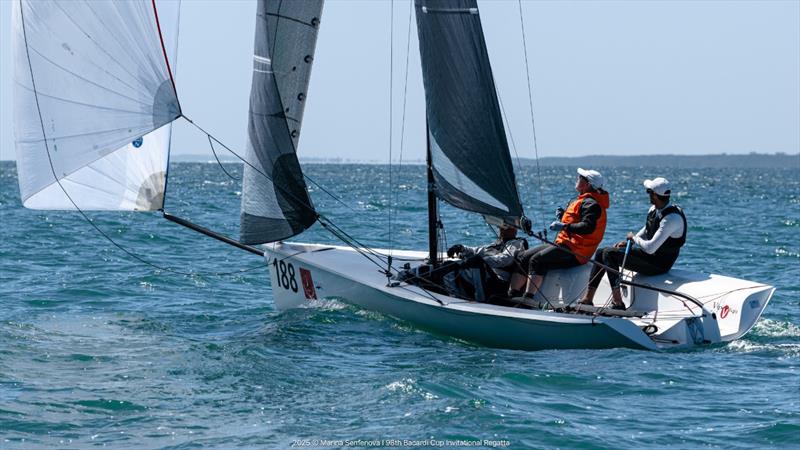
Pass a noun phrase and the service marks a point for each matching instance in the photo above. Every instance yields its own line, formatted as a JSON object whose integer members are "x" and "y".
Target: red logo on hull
{"x": 724, "y": 311}
{"x": 308, "y": 284}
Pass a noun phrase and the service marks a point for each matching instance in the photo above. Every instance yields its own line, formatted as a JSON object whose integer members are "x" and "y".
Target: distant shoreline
{"x": 753, "y": 160}
{"x": 750, "y": 160}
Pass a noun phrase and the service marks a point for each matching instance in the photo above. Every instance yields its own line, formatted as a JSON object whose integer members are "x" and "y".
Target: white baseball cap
{"x": 658, "y": 185}
{"x": 594, "y": 177}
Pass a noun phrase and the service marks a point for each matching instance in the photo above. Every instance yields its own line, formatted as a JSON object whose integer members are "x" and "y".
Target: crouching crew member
{"x": 499, "y": 255}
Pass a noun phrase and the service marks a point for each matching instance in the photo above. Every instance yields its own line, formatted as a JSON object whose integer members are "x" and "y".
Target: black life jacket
{"x": 669, "y": 250}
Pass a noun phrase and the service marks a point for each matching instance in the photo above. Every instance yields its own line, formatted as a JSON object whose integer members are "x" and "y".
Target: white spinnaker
{"x": 93, "y": 102}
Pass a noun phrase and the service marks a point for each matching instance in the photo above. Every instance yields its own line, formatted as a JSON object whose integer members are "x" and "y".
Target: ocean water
{"x": 100, "y": 350}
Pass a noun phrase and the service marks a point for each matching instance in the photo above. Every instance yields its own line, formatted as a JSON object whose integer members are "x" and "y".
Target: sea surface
{"x": 98, "y": 349}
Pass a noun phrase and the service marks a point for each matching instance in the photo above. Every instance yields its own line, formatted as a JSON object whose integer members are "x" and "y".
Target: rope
{"x": 211, "y": 144}
{"x": 405, "y": 96}
{"x": 508, "y": 125}
{"x": 679, "y": 295}
{"x": 530, "y": 103}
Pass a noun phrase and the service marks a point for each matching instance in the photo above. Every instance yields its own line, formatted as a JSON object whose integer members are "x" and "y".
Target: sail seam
{"x": 293, "y": 19}
{"x": 99, "y": 47}
{"x": 90, "y": 82}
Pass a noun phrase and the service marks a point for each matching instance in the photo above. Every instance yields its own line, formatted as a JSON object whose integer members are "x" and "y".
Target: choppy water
{"x": 97, "y": 349}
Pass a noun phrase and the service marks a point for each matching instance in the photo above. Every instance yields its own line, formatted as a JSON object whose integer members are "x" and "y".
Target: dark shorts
{"x": 638, "y": 261}
{"x": 543, "y": 258}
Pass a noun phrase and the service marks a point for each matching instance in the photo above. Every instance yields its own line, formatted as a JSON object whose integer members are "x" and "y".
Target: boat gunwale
{"x": 455, "y": 304}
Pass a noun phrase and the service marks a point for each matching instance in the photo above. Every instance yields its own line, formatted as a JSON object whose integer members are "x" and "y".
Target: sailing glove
{"x": 559, "y": 213}
{"x": 526, "y": 225}
{"x": 557, "y": 226}
{"x": 455, "y": 250}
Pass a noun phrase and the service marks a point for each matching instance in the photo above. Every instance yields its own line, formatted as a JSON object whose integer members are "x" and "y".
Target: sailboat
{"x": 96, "y": 99}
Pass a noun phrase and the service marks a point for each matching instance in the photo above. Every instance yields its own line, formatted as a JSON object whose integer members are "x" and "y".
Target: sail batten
{"x": 94, "y": 101}
{"x": 275, "y": 201}
{"x": 471, "y": 163}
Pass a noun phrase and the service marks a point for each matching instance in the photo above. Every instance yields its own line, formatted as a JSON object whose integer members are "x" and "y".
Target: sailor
{"x": 580, "y": 229}
{"x": 499, "y": 255}
{"x": 655, "y": 247}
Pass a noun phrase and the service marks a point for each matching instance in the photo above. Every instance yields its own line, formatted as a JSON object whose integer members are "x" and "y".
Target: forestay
{"x": 94, "y": 99}
{"x": 469, "y": 151}
{"x": 275, "y": 202}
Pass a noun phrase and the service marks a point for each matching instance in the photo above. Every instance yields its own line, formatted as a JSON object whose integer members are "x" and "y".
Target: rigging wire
{"x": 530, "y": 104}
{"x": 321, "y": 188}
{"x": 508, "y": 125}
{"x": 282, "y": 189}
{"x": 391, "y": 97}
{"x": 405, "y": 96}
{"x": 327, "y": 223}
{"x": 396, "y": 200}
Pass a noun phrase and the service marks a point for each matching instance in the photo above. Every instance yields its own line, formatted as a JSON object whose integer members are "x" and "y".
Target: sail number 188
{"x": 284, "y": 273}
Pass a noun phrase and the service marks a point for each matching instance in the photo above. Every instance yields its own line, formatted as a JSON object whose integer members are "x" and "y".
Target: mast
{"x": 433, "y": 222}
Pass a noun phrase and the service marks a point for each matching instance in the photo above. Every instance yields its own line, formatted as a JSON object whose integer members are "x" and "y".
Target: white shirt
{"x": 671, "y": 226}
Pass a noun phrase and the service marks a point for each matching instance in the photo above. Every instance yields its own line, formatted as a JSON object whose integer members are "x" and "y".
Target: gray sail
{"x": 275, "y": 201}
{"x": 469, "y": 152}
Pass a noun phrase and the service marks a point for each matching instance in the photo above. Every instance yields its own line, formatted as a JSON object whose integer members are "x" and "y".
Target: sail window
{"x": 447, "y": 170}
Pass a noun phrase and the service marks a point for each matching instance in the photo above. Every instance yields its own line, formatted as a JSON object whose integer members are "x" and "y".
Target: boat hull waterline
{"x": 303, "y": 274}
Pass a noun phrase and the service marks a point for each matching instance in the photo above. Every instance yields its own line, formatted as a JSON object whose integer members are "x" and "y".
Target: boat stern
{"x": 738, "y": 311}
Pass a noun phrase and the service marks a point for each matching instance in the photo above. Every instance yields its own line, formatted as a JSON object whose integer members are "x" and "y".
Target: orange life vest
{"x": 584, "y": 244}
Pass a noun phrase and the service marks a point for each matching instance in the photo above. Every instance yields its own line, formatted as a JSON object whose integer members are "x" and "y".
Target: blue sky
{"x": 609, "y": 77}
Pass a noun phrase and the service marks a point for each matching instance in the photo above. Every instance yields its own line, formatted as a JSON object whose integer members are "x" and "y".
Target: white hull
{"x": 302, "y": 272}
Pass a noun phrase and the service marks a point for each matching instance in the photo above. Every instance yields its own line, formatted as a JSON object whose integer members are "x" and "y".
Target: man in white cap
{"x": 580, "y": 230}
{"x": 655, "y": 246}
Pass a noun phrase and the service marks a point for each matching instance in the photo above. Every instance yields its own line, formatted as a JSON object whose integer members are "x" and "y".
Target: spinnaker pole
{"x": 211, "y": 234}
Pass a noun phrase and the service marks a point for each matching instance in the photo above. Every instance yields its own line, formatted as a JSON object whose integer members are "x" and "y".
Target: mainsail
{"x": 275, "y": 202}
{"x": 94, "y": 100}
{"x": 471, "y": 164}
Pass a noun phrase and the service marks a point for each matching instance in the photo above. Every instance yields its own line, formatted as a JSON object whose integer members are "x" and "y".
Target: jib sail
{"x": 275, "y": 202}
